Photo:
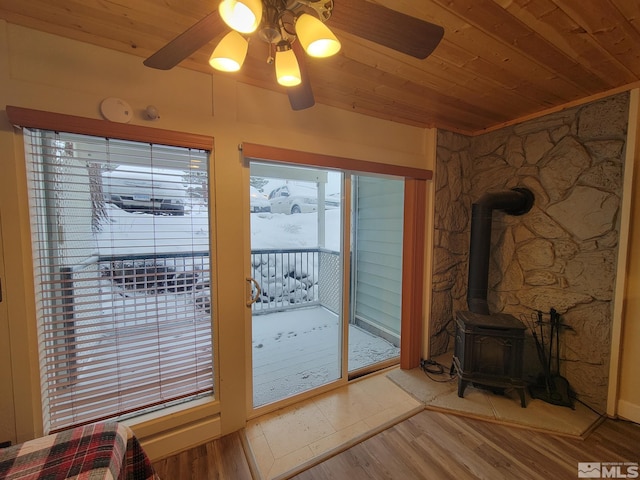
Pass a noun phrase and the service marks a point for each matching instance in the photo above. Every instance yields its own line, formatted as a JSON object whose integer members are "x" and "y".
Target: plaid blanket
{"x": 103, "y": 451}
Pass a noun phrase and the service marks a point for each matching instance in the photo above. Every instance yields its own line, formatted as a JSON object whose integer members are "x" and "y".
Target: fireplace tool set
{"x": 551, "y": 386}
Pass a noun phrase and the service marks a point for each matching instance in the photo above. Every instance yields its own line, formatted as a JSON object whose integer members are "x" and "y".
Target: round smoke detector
{"x": 116, "y": 110}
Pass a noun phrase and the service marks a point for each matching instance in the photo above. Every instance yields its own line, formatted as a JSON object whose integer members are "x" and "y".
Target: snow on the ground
{"x": 300, "y": 349}
{"x": 130, "y": 232}
{"x": 278, "y": 230}
{"x": 143, "y": 233}
{"x": 312, "y": 338}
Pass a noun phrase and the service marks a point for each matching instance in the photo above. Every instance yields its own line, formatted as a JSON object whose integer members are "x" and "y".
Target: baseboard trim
{"x": 629, "y": 411}
{"x": 177, "y": 440}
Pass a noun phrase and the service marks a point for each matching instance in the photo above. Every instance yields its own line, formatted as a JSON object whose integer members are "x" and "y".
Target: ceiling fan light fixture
{"x": 243, "y": 16}
{"x": 286, "y": 64}
{"x": 315, "y": 37}
{"x": 229, "y": 54}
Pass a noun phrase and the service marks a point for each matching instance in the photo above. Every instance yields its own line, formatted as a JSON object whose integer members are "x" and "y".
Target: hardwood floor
{"x": 432, "y": 445}
{"x": 440, "y": 446}
{"x": 222, "y": 459}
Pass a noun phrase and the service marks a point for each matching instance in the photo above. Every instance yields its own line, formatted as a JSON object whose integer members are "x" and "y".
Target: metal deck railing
{"x": 291, "y": 278}
{"x": 288, "y": 278}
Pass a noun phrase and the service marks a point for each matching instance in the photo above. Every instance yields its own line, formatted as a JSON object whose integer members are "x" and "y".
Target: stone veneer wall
{"x": 562, "y": 253}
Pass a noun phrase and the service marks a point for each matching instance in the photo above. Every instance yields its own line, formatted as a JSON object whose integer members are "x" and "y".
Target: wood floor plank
{"x": 223, "y": 458}
{"x": 436, "y": 445}
{"x": 431, "y": 445}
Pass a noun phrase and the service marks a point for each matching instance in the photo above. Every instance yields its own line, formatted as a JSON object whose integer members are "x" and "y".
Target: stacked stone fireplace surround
{"x": 562, "y": 254}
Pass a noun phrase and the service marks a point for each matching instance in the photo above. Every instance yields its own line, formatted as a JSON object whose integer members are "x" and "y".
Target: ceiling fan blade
{"x": 301, "y": 96}
{"x": 395, "y": 30}
{"x": 187, "y": 42}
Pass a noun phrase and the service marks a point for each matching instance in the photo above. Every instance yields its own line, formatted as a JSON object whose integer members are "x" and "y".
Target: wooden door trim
{"x": 276, "y": 154}
{"x": 413, "y": 255}
{"x": 415, "y": 194}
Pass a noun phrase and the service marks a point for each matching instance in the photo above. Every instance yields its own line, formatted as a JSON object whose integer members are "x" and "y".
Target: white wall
{"x": 47, "y": 72}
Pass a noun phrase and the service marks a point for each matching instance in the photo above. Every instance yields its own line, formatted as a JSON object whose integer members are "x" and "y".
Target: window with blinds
{"x": 120, "y": 234}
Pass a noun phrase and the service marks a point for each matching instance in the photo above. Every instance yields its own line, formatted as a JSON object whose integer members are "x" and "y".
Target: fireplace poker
{"x": 543, "y": 357}
{"x": 557, "y": 322}
{"x": 552, "y": 322}
{"x": 540, "y": 350}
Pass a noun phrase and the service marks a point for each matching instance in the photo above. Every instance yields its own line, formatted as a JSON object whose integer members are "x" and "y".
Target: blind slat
{"x": 122, "y": 273}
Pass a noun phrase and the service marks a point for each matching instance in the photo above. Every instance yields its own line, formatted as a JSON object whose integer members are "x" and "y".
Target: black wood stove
{"x": 489, "y": 348}
{"x": 489, "y": 352}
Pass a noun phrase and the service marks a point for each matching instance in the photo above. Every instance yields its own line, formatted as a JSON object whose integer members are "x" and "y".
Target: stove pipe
{"x": 516, "y": 201}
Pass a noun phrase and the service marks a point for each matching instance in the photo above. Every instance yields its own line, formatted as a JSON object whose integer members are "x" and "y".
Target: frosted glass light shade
{"x": 315, "y": 37}
{"x": 243, "y": 16}
{"x": 229, "y": 54}
{"x": 287, "y": 69}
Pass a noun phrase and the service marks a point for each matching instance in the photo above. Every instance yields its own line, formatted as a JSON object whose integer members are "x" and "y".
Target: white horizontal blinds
{"x": 122, "y": 270}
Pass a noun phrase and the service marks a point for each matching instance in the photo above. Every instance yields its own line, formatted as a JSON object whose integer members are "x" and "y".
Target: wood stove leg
{"x": 523, "y": 403}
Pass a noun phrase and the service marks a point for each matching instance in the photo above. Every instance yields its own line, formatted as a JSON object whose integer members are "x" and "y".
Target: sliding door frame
{"x": 413, "y": 258}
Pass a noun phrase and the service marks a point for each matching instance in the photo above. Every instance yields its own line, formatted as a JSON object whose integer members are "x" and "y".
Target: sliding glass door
{"x": 376, "y": 270}
{"x": 296, "y": 258}
{"x": 304, "y": 336}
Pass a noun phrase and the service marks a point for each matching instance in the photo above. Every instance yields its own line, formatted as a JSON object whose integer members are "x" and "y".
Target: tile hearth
{"x": 439, "y": 394}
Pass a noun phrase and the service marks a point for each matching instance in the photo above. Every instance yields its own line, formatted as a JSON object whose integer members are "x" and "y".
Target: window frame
{"x": 147, "y": 424}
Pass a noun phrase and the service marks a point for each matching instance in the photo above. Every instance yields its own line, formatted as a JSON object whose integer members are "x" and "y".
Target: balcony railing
{"x": 288, "y": 278}
{"x": 135, "y": 293}
{"x": 291, "y": 278}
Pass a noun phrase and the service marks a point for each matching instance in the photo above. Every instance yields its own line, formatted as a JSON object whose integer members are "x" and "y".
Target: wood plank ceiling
{"x": 499, "y": 60}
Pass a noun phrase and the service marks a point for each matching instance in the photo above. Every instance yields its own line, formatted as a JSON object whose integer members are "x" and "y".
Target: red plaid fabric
{"x": 102, "y": 451}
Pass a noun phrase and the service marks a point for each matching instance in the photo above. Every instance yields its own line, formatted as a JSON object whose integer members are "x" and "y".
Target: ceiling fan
{"x": 290, "y": 27}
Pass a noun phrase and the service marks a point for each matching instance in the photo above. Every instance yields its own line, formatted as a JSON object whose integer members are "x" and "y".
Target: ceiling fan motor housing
{"x": 269, "y": 30}
{"x": 279, "y": 17}
{"x": 318, "y": 8}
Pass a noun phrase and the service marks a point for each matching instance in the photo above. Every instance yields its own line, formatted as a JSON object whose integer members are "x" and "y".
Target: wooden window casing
{"x": 78, "y": 383}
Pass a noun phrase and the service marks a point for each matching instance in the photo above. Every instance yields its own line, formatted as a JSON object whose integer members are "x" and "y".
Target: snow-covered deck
{"x": 293, "y": 351}
{"x": 297, "y": 350}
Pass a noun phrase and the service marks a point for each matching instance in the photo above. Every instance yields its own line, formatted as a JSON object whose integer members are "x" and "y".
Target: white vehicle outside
{"x": 151, "y": 190}
{"x": 258, "y": 201}
{"x": 293, "y": 199}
